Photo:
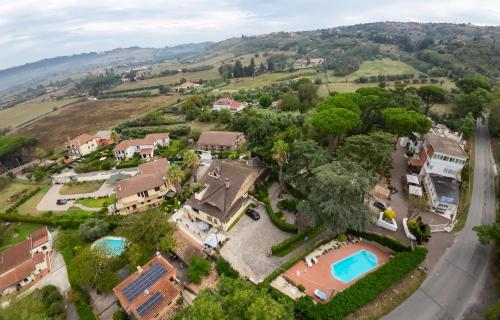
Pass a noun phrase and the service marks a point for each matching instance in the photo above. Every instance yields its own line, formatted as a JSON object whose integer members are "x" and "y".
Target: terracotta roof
{"x": 227, "y": 182}
{"x": 152, "y": 137}
{"x": 234, "y": 105}
{"x": 39, "y": 237}
{"x": 149, "y": 139}
{"x": 163, "y": 285}
{"x": 139, "y": 183}
{"x": 146, "y": 151}
{"x": 220, "y": 138}
{"x": 21, "y": 271}
{"x": 15, "y": 255}
{"x": 81, "y": 139}
{"x": 187, "y": 247}
{"x": 445, "y": 146}
{"x": 157, "y": 166}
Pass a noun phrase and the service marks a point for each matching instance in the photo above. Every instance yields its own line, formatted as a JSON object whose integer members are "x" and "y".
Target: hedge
{"x": 262, "y": 195}
{"x": 23, "y": 199}
{"x": 364, "y": 290}
{"x": 390, "y": 243}
{"x": 295, "y": 192}
{"x": 224, "y": 268}
{"x": 292, "y": 243}
{"x": 64, "y": 221}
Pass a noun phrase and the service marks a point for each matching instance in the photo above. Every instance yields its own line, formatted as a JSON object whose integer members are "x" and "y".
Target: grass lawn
{"x": 29, "y": 207}
{"x": 21, "y": 229}
{"x": 29, "y": 110}
{"x": 81, "y": 187}
{"x": 13, "y": 192}
{"x": 97, "y": 203}
{"x": 390, "y": 298}
{"x": 176, "y": 145}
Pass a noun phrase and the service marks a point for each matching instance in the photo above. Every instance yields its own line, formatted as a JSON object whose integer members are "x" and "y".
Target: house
{"x": 300, "y": 63}
{"x": 82, "y": 145}
{"x": 187, "y": 86}
{"x": 145, "y": 147}
{"x": 444, "y": 194}
{"x": 276, "y": 104}
{"x": 227, "y": 104}
{"x": 226, "y": 192}
{"x": 150, "y": 292}
{"x": 104, "y": 138}
{"x": 148, "y": 189}
{"x": 220, "y": 140}
{"x": 25, "y": 262}
{"x": 439, "y": 155}
{"x": 314, "y": 62}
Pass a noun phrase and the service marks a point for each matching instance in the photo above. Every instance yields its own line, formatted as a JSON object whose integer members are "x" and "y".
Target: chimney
{"x": 227, "y": 183}
{"x": 139, "y": 269}
{"x": 146, "y": 291}
{"x": 158, "y": 253}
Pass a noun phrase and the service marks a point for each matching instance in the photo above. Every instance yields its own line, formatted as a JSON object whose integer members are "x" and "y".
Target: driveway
{"x": 65, "y": 176}
{"x": 461, "y": 284}
{"x": 249, "y": 246}
{"x": 48, "y": 202}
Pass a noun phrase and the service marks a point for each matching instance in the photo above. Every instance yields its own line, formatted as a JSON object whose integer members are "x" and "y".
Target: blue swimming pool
{"x": 354, "y": 266}
{"x": 113, "y": 245}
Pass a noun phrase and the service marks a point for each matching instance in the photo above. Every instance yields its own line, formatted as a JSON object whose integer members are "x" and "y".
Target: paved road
{"x": 457, "y": 283}
{"x": 65, "y": 176}
{"x": 48, "y": 202}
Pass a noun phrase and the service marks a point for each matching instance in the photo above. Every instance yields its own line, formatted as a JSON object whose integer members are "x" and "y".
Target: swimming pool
{"x": 113, "y": 245}
{"x": 354, "y": 266}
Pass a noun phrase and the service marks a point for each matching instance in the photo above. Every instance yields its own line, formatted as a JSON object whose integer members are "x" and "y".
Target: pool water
{"x": 354, "y": 266}
{"x": 115, "y": 246}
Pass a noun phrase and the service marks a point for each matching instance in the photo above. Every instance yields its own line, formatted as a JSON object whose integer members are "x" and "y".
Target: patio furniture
{"x": 320, "y": 294}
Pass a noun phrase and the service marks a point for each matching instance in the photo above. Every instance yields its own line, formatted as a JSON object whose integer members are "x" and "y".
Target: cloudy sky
{"x": 34, "y": 29}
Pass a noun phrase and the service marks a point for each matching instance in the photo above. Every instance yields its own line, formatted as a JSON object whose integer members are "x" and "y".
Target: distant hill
{"x": 32, "y": 73}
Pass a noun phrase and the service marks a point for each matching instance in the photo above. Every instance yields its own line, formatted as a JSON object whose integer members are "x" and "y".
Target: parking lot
{"x": 249, "y": 246}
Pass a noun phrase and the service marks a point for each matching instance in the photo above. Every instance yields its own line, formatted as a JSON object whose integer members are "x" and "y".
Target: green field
{"x": 97, "y": 203}
{"x": 29, "y": 207}
{"x": 29, "y": 110}
{"x": 13, "y": 192}
{"x": 81, "y": 187}
{"x": 17, "y": 232}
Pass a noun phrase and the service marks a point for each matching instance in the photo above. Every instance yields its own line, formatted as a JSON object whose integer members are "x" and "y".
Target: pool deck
{"x": 319, "y": 276}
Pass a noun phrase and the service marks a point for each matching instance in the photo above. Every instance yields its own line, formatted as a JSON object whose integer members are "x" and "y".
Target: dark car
{"x": 380, "y": 205}
{"x": 61, "y": 202}
{"x": 253, "y": 214}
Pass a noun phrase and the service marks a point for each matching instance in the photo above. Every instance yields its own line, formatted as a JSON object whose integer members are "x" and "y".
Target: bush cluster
{"x": 390, "y": 243}
{"x": 23, "y": 199}
{"x": 288, "y": 205}
{"x": 263, "y": 196}
{"x": 198, "y": 267}
{"x": 295, "y": 241}
{"x": 224, "y": 268}
{"x": 72, "y": 220}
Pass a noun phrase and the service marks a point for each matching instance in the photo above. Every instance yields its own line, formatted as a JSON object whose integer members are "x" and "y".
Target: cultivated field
{"x": 29, "y": 110}
{"x": 89, "y": 117}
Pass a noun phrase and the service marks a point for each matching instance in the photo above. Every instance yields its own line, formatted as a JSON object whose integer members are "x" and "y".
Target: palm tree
{"x": 175, "y": 176}
{"x": 280, "y": 154}
{"x": 191, "y": 161}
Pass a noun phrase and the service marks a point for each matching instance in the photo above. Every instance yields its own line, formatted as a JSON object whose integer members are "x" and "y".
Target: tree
{"x": 468, "y": 126}
{"x": 372, "y": 151}
{"x": 342, "y": 206}
{"x": 334, "y": 122}
{"x": 151, "y": 230}
{"x": 175, "y": 176}
{"x": 40, "y": 153}
{"x": 487, "y": 233}
{"x": 93, "y": 267}
{"x": 198, "y": 267}
{"x": 238, "y": 299}
{"x": 431, "y": 95}
{"x": 225, "y": 116}
{"x": 290, "y": 102}
{"x": 304, "y": 157}
{"x": 471, "y": 84}
{"x": 238, "y": 70}
{"x": 404, "y": 122}
{"x": 93, "y": 229}
{"x": 307, "y": 94}
{"x": 280, "y": 155}
{"x": 191, "y": 161}
{"x": 265, "y": 101}
{"x": 473, "y": 102}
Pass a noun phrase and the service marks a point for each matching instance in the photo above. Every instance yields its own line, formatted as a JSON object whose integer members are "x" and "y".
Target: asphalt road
{"x": 457, "y": 286}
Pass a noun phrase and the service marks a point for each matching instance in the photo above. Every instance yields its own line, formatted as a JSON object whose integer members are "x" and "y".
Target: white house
{"x": 227, "y": 104}
{"x": 82, "y": 145}
{"x": 444, "y": 194}
{"x": 144, "y": 147}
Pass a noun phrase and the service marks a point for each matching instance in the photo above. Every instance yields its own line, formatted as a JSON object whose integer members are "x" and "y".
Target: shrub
{"x": 292, "y": 243}
{"x": 262, "y": 195}
{"x": 224, "y": 268}
{"x": 288, "y": 205}
{"x": 388, "y": 242}
{"x": 24, "y": 198}
{"x": 389, "y": 214}
{"x": 296, "y": 193}
{"x": 420, "y": 230}
{"x": 120, "y": 315}
{"x": 198, "y": 267}
{"x": 364, "y": 290}
{"x": 342, "y": 238}
{"x": 301, "y": 288}
{"x": 93, "y": 229}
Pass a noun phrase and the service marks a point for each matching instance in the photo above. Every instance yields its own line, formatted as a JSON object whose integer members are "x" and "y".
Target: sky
{"x": 31, "y": 30}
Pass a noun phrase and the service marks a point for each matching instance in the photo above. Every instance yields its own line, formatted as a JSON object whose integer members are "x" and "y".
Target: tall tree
{"x": 471, "y": 84}
{"x": 280, "y": 155}
{"x": 151, "y": 230}
{"x": 93, "y": 267}
{"x": 304, "y": 157}
{"x": 404, "y": 122}
{"x": 431, "y": 95}
{"x": 290, "y": 102}
{"x": 488, "y": 232}
{"x": 336, "y": 196}
{"x": 473, "y": 102}
{"x": 175, "y": 176}
{"x": 334, "y": 122}
{"x": 238, "y": 69}
{"x": 265, "y": 101}
{"x": 372, "y": 151}
{"x": 468, "y": 126}
{"x": 308, "y": 95}
{"x": 191, "y": 161}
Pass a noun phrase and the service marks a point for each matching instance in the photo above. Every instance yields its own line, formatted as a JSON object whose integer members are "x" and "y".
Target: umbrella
{"x": 202, "y": 225}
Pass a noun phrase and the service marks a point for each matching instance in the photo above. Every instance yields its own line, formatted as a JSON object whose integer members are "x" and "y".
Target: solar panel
{"x": 150, "y": 303}
{"x": 145, "y": 280}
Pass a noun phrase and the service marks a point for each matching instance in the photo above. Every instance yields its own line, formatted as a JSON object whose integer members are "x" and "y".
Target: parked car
{"x": 253, "y": 214}
{"x": 380, "y": 205}
{"x": 61, "y": 202}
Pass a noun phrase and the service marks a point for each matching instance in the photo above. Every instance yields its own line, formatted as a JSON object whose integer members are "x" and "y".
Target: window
{"x": 44, "y": 247}
{"x": 446, "y": 158}
{"x": 209, "y": 218}
{"x": 157, "y": 189}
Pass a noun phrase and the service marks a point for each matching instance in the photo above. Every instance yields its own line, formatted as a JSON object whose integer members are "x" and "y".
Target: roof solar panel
{"x": 150, "y": 303}
{"x": 145, "y": 280}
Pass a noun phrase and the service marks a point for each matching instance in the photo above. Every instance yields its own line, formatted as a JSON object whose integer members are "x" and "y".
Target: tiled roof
{"x": 234, "y": 105}
{"x": 163, "y": 285}
{"x": 21, "y": 271}
{"x": 81, "y": 139}
{"x": 39, "y": 237}
{"x": 219, "y": 138}
{"x": 151, "y": 175}
{"x": 149, "y": 139}
{"x": 445, "y": 146}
